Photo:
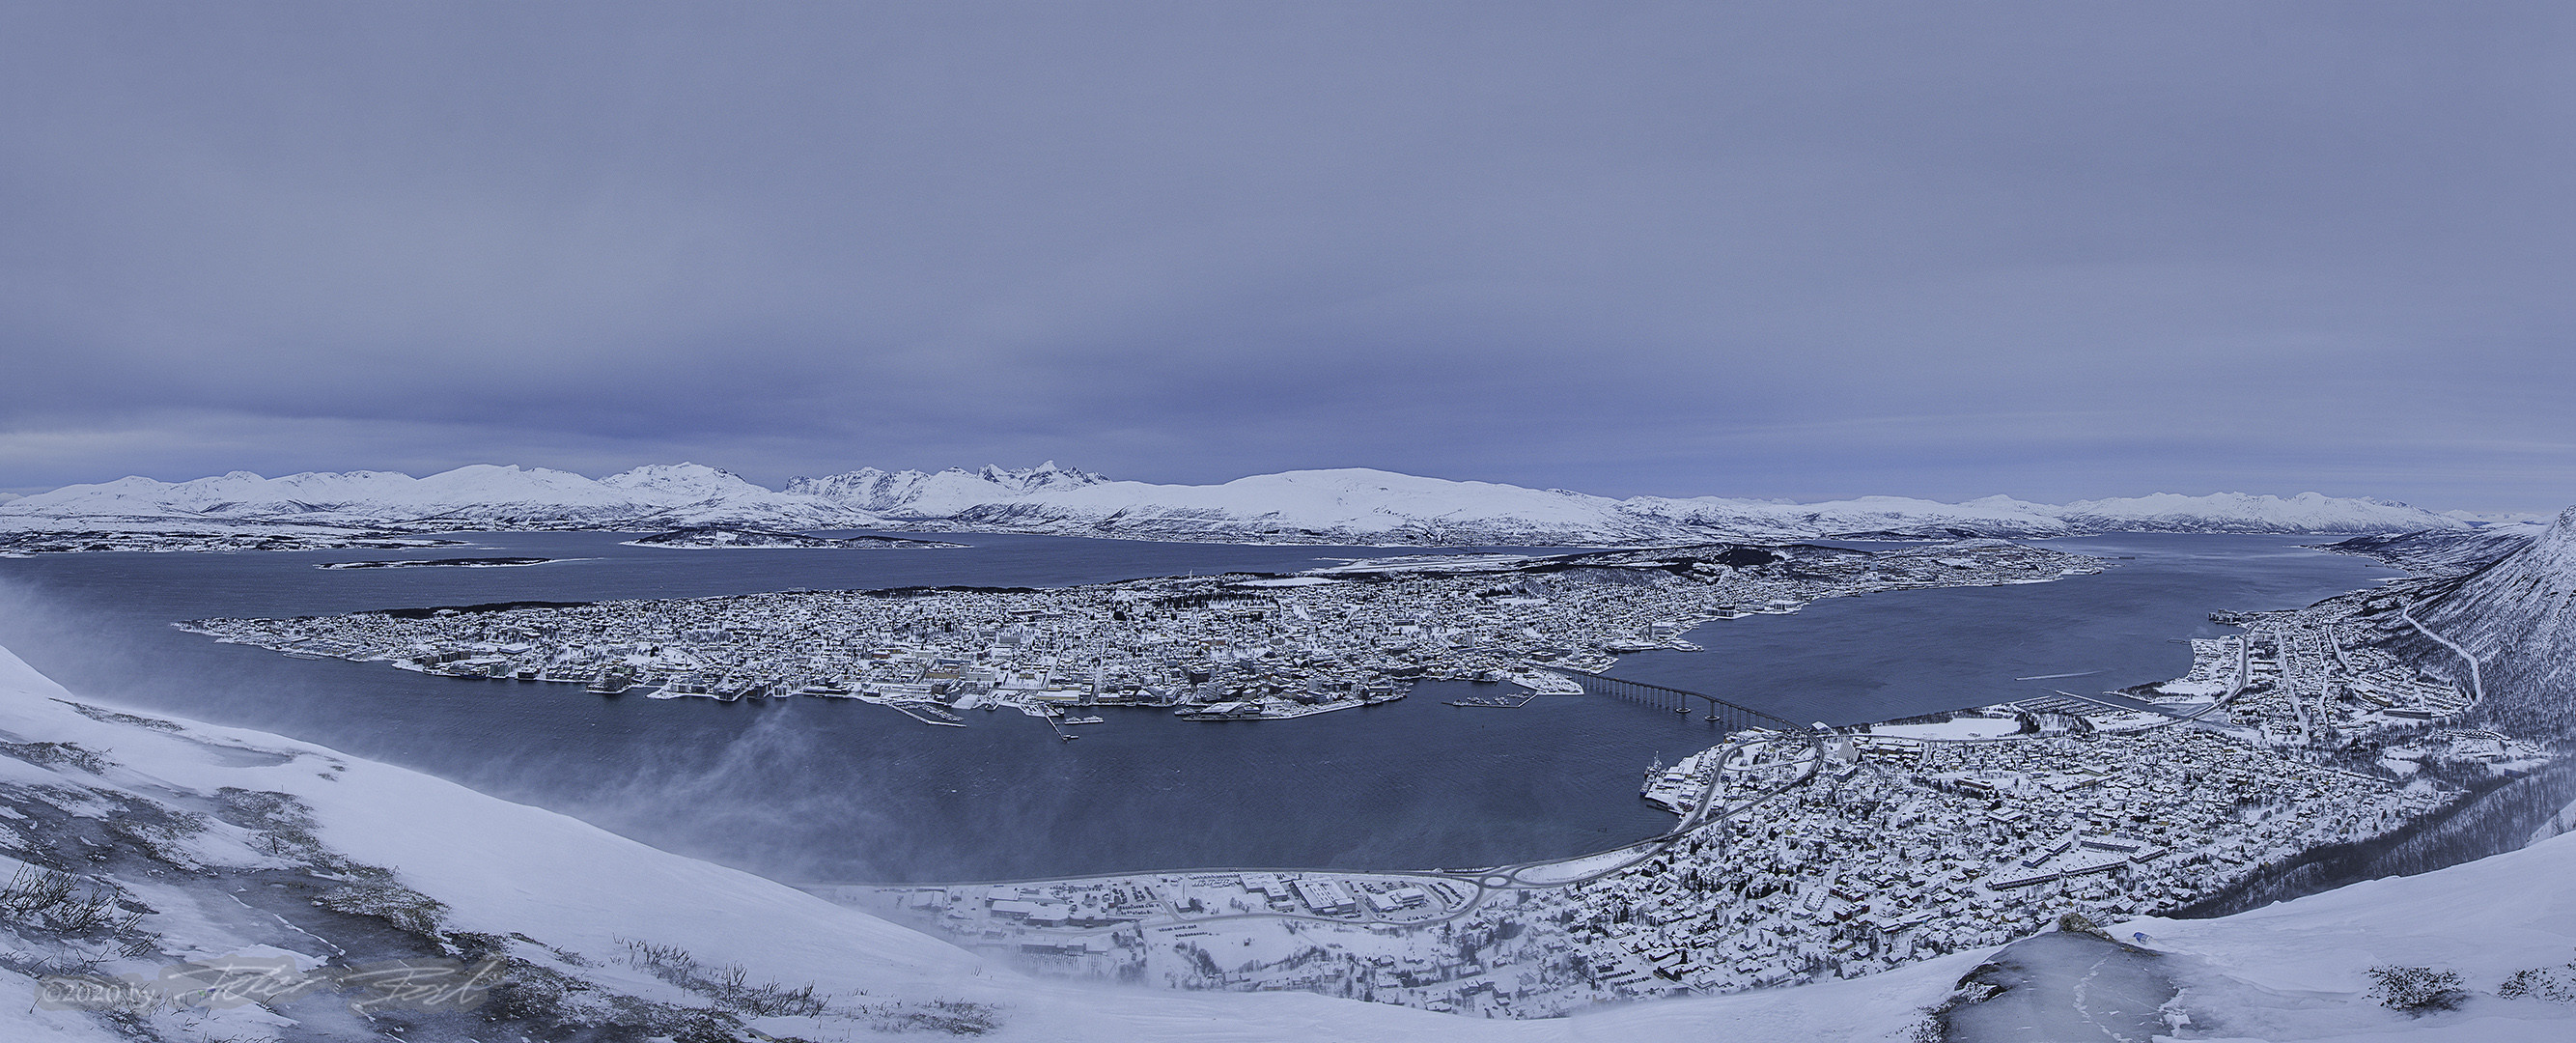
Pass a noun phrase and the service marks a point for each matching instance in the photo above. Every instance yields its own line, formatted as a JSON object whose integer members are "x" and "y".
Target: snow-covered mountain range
{"x": 1344, "y": 506}
{"x": 481, "y": 496}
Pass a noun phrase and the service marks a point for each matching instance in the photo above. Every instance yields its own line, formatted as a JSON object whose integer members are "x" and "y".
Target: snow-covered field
{"x": 1956, "y": 728}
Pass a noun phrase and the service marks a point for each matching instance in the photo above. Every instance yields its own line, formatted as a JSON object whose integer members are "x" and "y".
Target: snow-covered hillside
{"x": 481, "y": 496}
{"x": 2443, "y": 552}
{"x": 1354, "y": 505}
{"x": 202, "y": 843}
{"x": 941, "y": 493}
{"x": 1345, "y": 506}
{"x": 2237, "y": 512}
{"x": 2517, "y": 618}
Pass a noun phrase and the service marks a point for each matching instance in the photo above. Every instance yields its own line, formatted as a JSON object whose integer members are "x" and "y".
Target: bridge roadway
{"x": 1735, "y": 718}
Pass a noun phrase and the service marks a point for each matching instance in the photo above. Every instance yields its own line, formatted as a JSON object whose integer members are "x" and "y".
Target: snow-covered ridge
{"x": 1349, "y": 505}
{"x": 954, "y": 489}
{"x": 476, "y": 496}
{"x": 2444, "y": 553}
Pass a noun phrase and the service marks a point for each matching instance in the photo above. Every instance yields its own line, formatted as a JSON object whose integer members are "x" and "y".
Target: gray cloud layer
{"x": 1802, "y": 250}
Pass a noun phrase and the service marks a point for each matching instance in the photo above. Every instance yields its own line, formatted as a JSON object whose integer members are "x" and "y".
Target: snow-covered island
{"x": 1232, "y": 647}
{"x": 721, "y": 537}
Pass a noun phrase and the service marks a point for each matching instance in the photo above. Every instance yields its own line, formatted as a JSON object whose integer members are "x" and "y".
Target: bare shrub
{"x": 730, "y": 986}
{"x": 950, "y": 1017}
{"x": 58, "y": 902}
{"x": 2555, "y": 984}
{"x": 2416, "y": 990}
{"x": 395, "y": 904}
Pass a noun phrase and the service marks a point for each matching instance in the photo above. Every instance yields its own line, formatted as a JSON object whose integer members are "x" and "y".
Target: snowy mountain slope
{"x": 1354, "y": 505}
{"x": 2237, "y": 512}
{"x": 2517, "y": 618}
{"x": 2299, "y": 969}
{"x": 941, "y": 493}
{"x": 1349, "y": 506}
{"x": 477, "y": 496}
{"x": 245, "y": 843}
{"x": 1997, "y": 516}
{"x": 2449, "y": 552}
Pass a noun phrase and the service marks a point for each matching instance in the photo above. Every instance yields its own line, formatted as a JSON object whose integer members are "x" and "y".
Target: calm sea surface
{"x": 808, "y": 789}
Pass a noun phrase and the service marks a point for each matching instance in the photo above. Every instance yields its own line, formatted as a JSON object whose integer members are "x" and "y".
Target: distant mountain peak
{"x": 1044, "y": 476}
{"x": 682, "y": 477}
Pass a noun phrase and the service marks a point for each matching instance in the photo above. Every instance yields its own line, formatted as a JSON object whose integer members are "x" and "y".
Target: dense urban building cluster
{"x": 1929, "y": 846}
{"x": 2320, "y": 677}
{"x": 1900, "y": 846}
{"x": 1231, "y": 647}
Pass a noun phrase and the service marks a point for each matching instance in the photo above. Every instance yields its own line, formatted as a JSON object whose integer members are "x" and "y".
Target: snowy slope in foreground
{"x": 577, "y": 894}
{"x": 1345, "y": 506}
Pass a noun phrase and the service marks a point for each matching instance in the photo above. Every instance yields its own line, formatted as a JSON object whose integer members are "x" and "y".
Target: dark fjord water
{"x": 810, "y": 789}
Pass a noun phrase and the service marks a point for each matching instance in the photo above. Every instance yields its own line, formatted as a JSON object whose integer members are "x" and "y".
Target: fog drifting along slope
{"x": 1350, "y": 505}
{"x": 2294, "y": 970}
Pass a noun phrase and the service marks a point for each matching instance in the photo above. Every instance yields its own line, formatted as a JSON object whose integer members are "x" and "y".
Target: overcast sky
{"x": 1800, "y": 250}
